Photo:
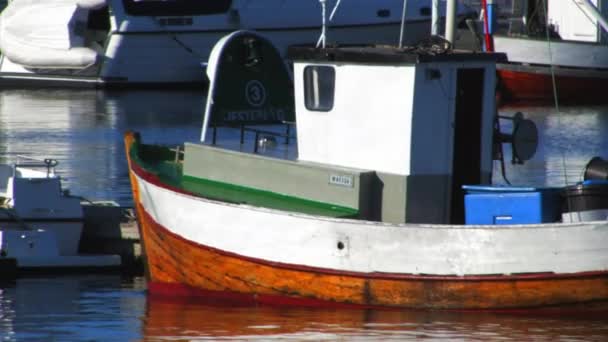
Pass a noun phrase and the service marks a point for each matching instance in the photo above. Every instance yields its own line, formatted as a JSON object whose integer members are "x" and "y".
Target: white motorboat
{"x": 41, "y": 223}
{"x": 150, "y": 42}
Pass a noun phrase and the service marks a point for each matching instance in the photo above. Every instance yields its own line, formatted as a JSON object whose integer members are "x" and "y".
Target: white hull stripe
{"x": 368, "y": 247}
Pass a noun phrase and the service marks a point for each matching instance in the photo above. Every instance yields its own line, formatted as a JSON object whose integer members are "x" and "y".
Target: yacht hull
{"x": 525, "y": 83}
{"x": 579, "y": 69}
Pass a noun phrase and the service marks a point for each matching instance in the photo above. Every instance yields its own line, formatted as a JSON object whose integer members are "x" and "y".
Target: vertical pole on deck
{"x": 450, "y": 21}
{"x": 489, "y": 13}
{"x": 435, "y": 18}
{"x": 403, "y": 17}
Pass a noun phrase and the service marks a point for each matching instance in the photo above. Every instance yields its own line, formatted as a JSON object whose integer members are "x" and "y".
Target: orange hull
{"x": 172, "y": 260}
{"x": 180, "y": 267}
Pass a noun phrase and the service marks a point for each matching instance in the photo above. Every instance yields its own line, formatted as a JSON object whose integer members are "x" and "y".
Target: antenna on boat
{"x": 488, "y": 20}
{"x": 435, "y": 18}
{"x": 403, "y": 16}
{"x": 322, "y": 39}
{"x": 333, "y": 12}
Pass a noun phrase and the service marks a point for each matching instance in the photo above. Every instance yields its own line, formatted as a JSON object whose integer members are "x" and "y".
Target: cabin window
{"x": 176, "y": 7}
{"x": 319, "y": 87}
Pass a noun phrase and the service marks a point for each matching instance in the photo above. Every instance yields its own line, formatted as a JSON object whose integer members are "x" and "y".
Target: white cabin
{"x": 391, "y": 133}
{"x": 424, "y": 122}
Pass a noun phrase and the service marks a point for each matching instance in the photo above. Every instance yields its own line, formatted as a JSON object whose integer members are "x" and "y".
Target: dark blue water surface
{"x": 72, "y": 308}
{"x": 83, "y": 130}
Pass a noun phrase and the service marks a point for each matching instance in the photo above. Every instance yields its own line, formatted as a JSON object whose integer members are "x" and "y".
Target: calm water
{"x": 83, "y": 130}
{"x": 108, "y": 308}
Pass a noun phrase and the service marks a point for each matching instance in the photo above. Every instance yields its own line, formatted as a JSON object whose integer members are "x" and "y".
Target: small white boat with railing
{"x": 40, "y": 222}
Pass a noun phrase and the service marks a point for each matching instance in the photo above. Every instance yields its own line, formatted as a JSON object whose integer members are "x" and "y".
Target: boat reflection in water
{"x": 172, "y": 319}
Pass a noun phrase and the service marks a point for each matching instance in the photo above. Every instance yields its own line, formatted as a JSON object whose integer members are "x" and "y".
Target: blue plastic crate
{"x": 511, "y": 205}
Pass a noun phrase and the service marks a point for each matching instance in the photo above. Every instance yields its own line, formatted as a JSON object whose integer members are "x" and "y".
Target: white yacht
{"x": 164, "y": 42}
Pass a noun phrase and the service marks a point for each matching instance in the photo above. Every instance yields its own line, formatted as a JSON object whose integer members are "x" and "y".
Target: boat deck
{"x": 161, "y": 162}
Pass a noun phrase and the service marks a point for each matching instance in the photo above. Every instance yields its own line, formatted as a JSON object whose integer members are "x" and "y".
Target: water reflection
{"x": 568, "y": 139}
{"x": 172, "y": 320}
{"x": 83, "y": 129}
{"x": 71, "y": 308}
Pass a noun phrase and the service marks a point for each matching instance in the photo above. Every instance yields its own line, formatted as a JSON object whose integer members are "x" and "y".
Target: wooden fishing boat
{"x": 369, "y": 211}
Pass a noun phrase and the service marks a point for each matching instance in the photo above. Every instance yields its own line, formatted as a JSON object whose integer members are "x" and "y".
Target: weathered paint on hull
{"x": 172, "y": 260}
{"x": 535, "y": 84}
{"x": 178, "y": 266}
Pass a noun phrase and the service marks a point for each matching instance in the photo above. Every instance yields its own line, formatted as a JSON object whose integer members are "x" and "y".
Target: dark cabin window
{"x": 176, "y": 7}
{"x": 319, "y": 87}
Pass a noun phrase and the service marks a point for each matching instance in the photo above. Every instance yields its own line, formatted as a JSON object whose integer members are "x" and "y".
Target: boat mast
{"x": 403, "y": 17}
{"x": 488, "y": 21}
{"x": 450, "y": 23}
{"x": 435, "y": 18}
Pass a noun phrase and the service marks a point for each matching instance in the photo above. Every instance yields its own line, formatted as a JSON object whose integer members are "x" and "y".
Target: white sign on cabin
{"x": 341, "y": 180}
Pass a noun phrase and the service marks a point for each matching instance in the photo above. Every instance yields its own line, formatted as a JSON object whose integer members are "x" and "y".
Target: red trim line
{"x": 153, "y": 179}
{"x": 375, "y": 275}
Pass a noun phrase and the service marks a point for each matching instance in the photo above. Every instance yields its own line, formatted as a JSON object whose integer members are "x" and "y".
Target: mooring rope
{"x": 554, "y": 86}
{"x": 179, "y": 42}
{"x": 333, "y": 12}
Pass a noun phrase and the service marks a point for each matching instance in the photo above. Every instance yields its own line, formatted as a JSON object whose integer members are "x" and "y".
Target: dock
{"x": 112, "y": 229}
